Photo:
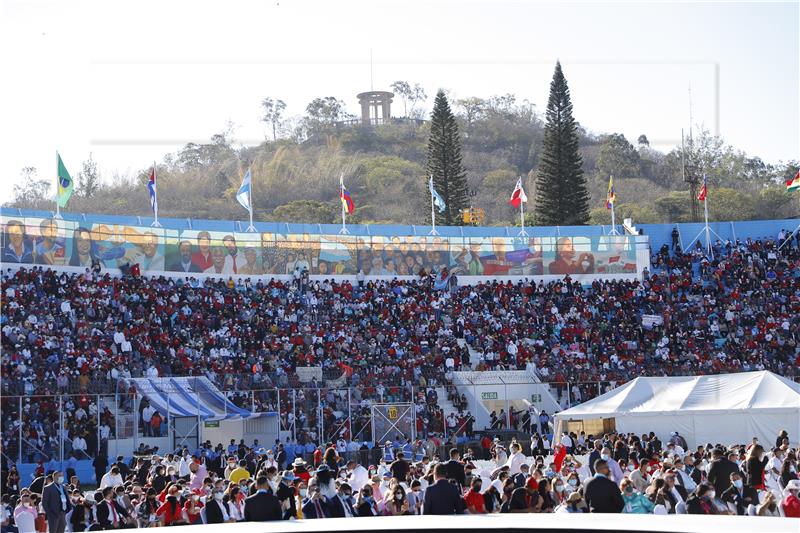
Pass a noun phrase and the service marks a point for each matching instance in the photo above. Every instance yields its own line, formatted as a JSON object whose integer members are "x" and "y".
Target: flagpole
{"x": 155, "y": 223}
{"x": 708, "y": 232}
{"x": 342, "y": 231}
{"x": 58, "y": 207}
{"x": 522, "y": 232}
{"x": 250, "y": 200}
{"x": 433, "y": 213}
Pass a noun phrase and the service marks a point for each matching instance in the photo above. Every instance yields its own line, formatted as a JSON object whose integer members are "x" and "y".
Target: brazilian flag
{"x": 65, "y": 184}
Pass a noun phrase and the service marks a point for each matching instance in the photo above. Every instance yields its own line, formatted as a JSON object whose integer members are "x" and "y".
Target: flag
{"x": 151, "y": 189}
{"x": 438, "y": 201}
{"x": 518, "y": 195}
{"x": 703, "y": 191}
{"x": 610, "y": 196}
{"x": 794, "y": 183}
{"x": 65, "y": 184}
{"x": 243, "y": 194}
{"x": 344, "y": 196}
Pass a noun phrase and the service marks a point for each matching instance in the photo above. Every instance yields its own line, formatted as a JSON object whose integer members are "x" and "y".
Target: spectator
{"x": 602, "y": 495}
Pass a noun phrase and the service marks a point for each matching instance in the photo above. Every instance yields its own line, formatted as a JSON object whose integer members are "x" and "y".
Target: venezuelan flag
{"x": 347, "y": 201}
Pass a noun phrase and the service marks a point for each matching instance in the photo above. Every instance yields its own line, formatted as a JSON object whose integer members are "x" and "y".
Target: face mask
{"x": 559, "y": 488}
{"x": 303, "y": 493}
{"x": 59, "y": 479}
{"x": 477, "y": 488}
{"x": 573, "y": 482}
{"x": 605, "y": 457}
{"x": 711, "y": 494}
{"x": 195, "y": 497}
{"x": 738, "y": 484}
{"x": 218, "y": 496}
{"x": 398, "y": 497}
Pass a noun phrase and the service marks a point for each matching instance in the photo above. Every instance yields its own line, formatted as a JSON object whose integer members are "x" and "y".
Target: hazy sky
{"x": 130, "y": 82}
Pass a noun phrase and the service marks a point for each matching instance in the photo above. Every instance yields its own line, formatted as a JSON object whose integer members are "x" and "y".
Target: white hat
{"x": 793, "y": 484}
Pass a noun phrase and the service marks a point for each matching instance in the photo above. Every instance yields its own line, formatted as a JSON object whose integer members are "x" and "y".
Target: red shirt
{"x": 475, "y": 499}
{"x": 169, "y": 514}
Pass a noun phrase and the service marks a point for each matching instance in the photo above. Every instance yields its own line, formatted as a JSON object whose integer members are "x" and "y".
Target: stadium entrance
{"x": 390, "y": 420}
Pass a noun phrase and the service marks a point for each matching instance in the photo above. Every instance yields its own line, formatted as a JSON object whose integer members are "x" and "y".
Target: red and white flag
{"x": 703, "y": 191}
{"x": 518, "y": 195}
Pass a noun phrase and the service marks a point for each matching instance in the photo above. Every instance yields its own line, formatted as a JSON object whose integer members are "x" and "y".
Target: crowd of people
{"x": 609, "y": 473}
{"x": 79, "y": 335}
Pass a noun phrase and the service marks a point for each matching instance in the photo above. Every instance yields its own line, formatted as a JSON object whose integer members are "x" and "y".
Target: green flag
{"x": 64, "y": 183}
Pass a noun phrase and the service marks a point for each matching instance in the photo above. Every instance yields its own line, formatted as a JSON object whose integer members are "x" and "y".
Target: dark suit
{"x": 754, "y": 471}
{"x": 594, "y": 456}
{"x": 443, "y": 498}
{"x": 740, "y": 499}
{"x": 720, "y": 472}
{"x": 214, "y": 513}
{"x": 310, "y": 509}
{"x": 106, "y": 518}
{"x": 53, "y": 506}
{"x": 337, "y": 506}
{"x": 365, "y": 509}
{"x": 603, "y": 496}
{"x": 176, "y": 266}
{"x": 261, "y": 507}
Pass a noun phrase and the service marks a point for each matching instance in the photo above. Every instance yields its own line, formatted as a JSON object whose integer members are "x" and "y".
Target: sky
{"x": 130, "y": 82}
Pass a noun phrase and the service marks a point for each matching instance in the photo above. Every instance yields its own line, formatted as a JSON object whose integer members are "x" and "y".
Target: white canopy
{"x": 725, "y": 409}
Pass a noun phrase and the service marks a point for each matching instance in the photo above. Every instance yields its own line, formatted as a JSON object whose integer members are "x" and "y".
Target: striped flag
{"x": 794, "y": 183}
{"x": 438, "y": 201}
{"x": 703, "y": 190}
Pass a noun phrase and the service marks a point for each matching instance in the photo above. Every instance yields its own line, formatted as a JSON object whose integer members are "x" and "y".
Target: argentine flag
{"x": 438, "y": 201}
{"x": 243, "y": 194}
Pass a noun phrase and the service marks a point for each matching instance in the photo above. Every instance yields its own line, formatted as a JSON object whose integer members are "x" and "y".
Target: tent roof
{"x": 188, "y": 396}
{"x": 749, "y": 391}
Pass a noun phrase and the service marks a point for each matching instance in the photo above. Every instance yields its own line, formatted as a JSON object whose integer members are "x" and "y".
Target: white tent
{"x": 725, "y": 409}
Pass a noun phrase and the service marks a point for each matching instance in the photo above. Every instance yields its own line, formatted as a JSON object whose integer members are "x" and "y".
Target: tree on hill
{"x": 562, "y": 197}
{"x": 444, "y": 162}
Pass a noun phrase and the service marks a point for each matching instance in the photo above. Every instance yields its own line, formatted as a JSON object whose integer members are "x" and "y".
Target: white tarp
{"x": 725, "y": 409}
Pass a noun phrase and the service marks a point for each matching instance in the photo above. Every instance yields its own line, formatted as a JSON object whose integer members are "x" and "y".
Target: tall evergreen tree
{"x": 562, "y": 197}
{"x": 444, "y": 162}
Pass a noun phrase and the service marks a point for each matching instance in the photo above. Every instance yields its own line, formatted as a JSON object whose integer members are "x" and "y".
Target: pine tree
{"x": 562, "y": 198}
{"x": 444, "y": 163}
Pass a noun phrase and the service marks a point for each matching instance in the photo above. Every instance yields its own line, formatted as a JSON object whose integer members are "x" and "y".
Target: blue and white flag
{"x": 438, "y": 201}
{"x": 243, "y": 194}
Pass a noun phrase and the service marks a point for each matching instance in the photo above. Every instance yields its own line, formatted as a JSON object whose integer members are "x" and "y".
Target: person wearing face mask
{"x": 193, "y": 507}
{"x": 315, "y": 504}
{"x": 365, "y": 505}
{"x": 615, "y": 472}
{"x": 474, "y": 499}
{"x": 56, "y": 503}
{"x": 341, "y": 505}
{"x": 559, "y": 491}
{"x": 124, "y": 501}
{"x": 147, "y": 510}
{"x": 110, "y": 515}
{"x": 791, "y": 499}
{"x": 216, "y": 510}
{"x": 25, "y": 514}
{"x": 603, "y": 495}
{"x": 635, "y": 502}
{"x": 573, "y": 483}
{"x": 739, "y": 496}
{"x": 702, "y": 501}
{"x": 398, "y": 504}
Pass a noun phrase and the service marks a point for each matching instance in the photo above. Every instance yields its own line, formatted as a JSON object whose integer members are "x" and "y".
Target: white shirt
{"x": 110, "y": 480}
{"x": 147, "y": 413}
{"x": 515, "y": 460}
{"x": 358, "y": 478}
